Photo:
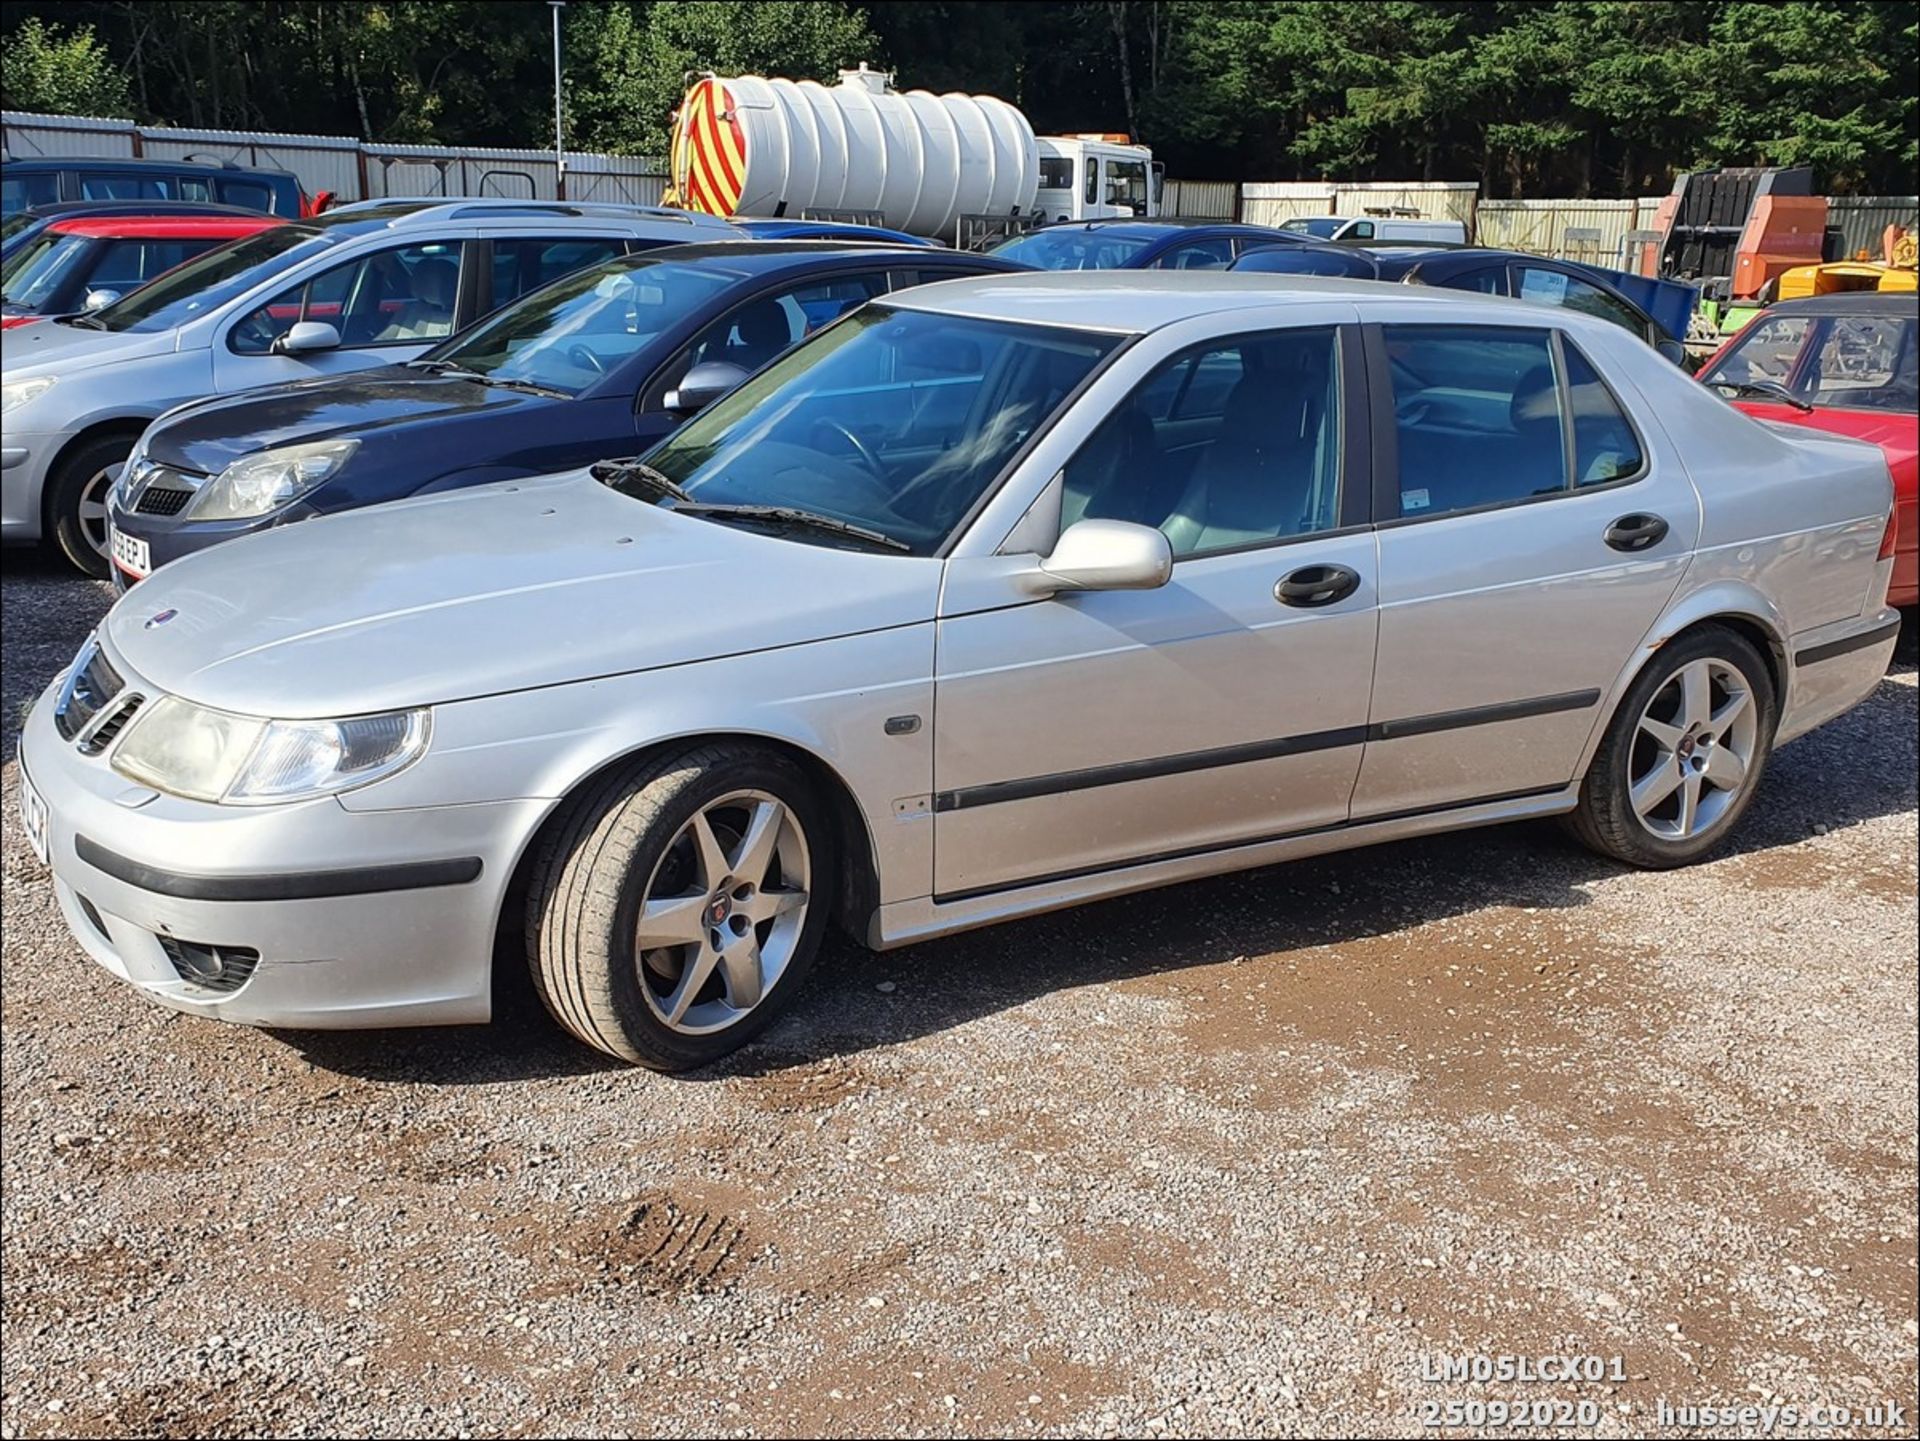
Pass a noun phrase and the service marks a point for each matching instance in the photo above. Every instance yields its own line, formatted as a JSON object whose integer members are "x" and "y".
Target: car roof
{"x": 144, "y": 167}
{"x": 165, "y": 227}
{"x": 392, "y": 210}
{"x": 1136, "y": 302}
{"x": 760, "y": 257}
{"x": 1163, "y": 225}
{"x": 1849, "y": 302}
{"x": 54, "y": 209}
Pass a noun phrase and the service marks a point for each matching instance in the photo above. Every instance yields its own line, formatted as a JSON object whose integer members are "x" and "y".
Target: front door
{"x": 1096, "y": 729}
{"x": 1530, "y": 537}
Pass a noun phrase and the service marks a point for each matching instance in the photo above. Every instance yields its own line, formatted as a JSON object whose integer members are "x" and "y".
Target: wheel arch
{"x": 1735, "y": 607}
{"x": 859, "y": 883}
{"x": 129, "y": 425}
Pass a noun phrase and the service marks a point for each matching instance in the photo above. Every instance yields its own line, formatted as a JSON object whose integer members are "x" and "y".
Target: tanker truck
{"x": 958, "y": 168}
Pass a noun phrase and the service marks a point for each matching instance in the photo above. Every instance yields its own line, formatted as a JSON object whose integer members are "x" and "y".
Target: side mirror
{"x": 307, "y": 336}
{"x": 1106, "y": 555}
{"x": 703, "y": 385}
{"x": 1672, "y": 350}
{"x": 98, "y": 300}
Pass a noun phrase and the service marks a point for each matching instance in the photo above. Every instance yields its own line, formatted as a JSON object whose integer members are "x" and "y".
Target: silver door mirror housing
{"x": 307, "y": 336}
{"x": 1106, "y": 555}
{"x": 98, "y": 300}
{"x": 703, "y": 385}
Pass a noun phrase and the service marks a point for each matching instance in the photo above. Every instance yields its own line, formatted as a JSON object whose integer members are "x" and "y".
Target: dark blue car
{"x": 1565, "y": 283}
{"x": 598, "y": 365}
{"x": 1143, "y": 244}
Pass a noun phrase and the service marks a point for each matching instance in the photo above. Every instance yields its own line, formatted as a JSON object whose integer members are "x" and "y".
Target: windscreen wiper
{"x": 800, "y": 519}
{"x": 528, "y": 386}
{"x": 638, "y": 475}
{"x": 445, "y": 367}
{"x": 1765, "y": 390}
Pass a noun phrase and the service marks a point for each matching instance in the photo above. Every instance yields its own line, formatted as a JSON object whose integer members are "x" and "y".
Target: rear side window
{"x": 1605, "y": 448}
{"x": 1553, "y": 287}
{"x": 109, "y": 186}
{"x": 248, "y": 194}
{"x": 523, "y": 265}
{"x": 1477, "y": 412}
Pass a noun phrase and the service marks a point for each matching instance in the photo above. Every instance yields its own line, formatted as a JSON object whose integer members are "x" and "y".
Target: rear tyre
{"x": 676, "y": 907}
{"x": 77, "y": 500}
{"x": 1683, "y": 755}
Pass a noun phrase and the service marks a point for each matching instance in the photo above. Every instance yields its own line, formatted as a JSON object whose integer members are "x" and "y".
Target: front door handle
{"x": 1636, "y": 532}
{"x": 1313, "y": 585}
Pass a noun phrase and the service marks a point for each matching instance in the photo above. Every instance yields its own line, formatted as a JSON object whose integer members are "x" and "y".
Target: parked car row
{"x": 745, "y": 587}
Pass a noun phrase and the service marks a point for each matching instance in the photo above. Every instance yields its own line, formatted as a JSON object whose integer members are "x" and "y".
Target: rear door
{"x": 1530, "y": 535}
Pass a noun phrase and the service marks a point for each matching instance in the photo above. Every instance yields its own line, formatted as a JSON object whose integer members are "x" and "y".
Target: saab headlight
{"x": 260, "y": 484}
{"x": 16, "y": 393}
{"x": 210, "y": 755}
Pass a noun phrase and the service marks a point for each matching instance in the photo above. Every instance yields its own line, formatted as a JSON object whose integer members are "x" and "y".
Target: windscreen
{"x": 1074, "y": 248}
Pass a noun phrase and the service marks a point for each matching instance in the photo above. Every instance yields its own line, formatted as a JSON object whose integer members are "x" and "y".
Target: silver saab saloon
{"x": 994, "y": 597}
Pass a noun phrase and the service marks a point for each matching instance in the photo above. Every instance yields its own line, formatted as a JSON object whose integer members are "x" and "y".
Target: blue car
{"x": 1655, "y": 310}
{"x": 1143, "y": 244}
{"x": 598, "y": 365}
{"x": 761, "y": 229}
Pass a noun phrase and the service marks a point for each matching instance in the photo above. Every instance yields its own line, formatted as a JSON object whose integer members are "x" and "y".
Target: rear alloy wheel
{"x": 77, "y": 504}
{"x": 1683, "y": 755}
{"x": 676, "y": 907}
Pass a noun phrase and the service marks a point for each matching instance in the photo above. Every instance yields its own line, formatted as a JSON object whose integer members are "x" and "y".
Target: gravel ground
{"x": 1240, "y": 1157}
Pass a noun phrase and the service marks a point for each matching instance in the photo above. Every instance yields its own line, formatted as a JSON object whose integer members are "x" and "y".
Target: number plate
{"x": 132, "y": 554}
{"x": 33, "y": 817}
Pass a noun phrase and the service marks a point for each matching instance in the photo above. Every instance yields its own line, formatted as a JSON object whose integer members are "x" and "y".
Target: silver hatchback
{"x": 997, "y": 596}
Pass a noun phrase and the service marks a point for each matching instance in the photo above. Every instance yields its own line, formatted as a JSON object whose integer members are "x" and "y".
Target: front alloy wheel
{"x": 675, "y": 907}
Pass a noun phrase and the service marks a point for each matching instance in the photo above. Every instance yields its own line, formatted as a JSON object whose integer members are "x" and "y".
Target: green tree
{"x": 72, "y": 74}
{"x": 630, "y": 63}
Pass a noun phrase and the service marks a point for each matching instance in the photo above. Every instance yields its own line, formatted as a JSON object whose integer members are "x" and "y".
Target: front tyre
{"x": 1683, "y": 755}
{"x": 77, "y": 500}
{"x": 677, "y": 905}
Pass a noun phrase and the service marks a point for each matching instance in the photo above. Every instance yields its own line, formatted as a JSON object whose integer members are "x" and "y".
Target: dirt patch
{"x": 660, "y": 1243}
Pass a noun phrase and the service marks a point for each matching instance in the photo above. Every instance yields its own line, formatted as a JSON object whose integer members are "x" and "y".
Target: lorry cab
{"x": 1097, "y": 177}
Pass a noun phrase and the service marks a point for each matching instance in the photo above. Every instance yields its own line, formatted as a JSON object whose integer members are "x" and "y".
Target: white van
{"x": 1096, "y": 177}
{"x": 1378, "y": 227}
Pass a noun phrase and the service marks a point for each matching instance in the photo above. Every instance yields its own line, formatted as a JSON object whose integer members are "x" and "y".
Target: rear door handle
{"x": 1636, "y": 532}
{"x": 1313, "y": 585}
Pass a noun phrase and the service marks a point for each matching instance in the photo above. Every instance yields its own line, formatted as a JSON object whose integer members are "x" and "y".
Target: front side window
{"x": 205, "y": 284}
{"x": 1056, "y": 172}
{"x": 1232, "y": 444}
{"x": 896, "y": 421}
{"x": 1127, "y": 184}
{"x": 402, "y": 296}
{"x": 756, "y": 332}
{"x": 523, "y": 265}
{"x": 1487, "y": 280}
{"x": 1359, "y": 230}
{"x": 1553, "y": 287}
{"x": 1093, "y": 180}
{"x": 1323, "y": 227}
{"x": 129, "y": 264}
{"x": 1477, "y": 411}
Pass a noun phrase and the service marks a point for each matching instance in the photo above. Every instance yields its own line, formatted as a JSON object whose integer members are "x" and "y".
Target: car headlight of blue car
{"x": 260, "y": 484}
{"x": 210, "y": 755}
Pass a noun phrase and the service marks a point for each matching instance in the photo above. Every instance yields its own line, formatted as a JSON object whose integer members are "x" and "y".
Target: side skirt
{"x": 904, "y": 922}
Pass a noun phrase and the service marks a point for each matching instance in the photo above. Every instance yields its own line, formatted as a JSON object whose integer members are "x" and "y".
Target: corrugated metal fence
{"x": 1863, "y": 219}
{"x": 351, "y": 169}
{"x": 1593, "y": 230}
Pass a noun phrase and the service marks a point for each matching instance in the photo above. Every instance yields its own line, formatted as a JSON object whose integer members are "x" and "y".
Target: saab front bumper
{"x": 301, "y": 915}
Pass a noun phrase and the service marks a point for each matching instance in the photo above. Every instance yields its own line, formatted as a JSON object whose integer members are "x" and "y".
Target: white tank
{"x": 747, "y": 145}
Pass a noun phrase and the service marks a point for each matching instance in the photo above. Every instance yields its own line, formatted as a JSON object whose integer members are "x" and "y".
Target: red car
{"x": 99, "y": 259}
{"x": 1844, "y": 364}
